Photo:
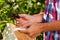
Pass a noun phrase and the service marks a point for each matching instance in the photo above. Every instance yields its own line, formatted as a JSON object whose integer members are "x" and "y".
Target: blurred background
{"x": 9, "y": 7}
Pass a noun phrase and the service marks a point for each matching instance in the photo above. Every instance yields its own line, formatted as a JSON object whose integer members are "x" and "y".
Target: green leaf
{"x": 34, "y": 0}
{"x": 2, "y": 1}
{"x": 8, "y": 7}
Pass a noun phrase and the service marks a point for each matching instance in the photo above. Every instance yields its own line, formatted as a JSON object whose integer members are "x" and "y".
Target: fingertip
{"x": 24, "y": 31}
{"x": 22, "y": 15}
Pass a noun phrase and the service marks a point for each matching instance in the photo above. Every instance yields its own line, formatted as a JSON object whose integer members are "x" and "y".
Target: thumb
{"x": 24, "y": 16}
{"x": 24, "y": 31}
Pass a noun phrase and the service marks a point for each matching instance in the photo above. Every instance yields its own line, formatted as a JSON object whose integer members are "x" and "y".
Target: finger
{"x": 24, "y": 16}
{"x": 28, "y": 32}
{"x": 12, "y": 26}
{"x": 27, "y": 25}
{"x": 25, "y": 31}
{"x": 21, "y": 21}
{"x": 23, "y": 25}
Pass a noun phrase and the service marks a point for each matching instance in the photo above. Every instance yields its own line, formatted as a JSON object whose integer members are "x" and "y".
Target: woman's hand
{"x": 33, "y": 30}
{"x": 31, "y": 23}
{"x": 24, "y": 18}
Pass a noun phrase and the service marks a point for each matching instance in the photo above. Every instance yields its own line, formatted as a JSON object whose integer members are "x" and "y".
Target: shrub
{"x": 8, "y": 7}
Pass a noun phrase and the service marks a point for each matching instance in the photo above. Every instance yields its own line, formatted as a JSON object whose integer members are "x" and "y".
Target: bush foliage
{"x": 8, "y": 7}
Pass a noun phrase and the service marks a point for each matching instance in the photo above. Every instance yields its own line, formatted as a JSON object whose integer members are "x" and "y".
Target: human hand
{"x": 24, "y": 18}
{"x": 33, "y": 30}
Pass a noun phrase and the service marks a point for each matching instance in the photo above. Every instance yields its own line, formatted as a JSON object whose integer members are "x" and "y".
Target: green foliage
{"x": 8, "y": 7}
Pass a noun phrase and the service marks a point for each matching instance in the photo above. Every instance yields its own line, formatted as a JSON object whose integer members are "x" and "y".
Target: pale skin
{"x": 33, "y": 25}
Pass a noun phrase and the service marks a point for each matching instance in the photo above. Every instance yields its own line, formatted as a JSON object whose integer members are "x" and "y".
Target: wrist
{"x": 38, "y": 18}
{"x": 42, "y": 27}
{"x": 46, "y": 27}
